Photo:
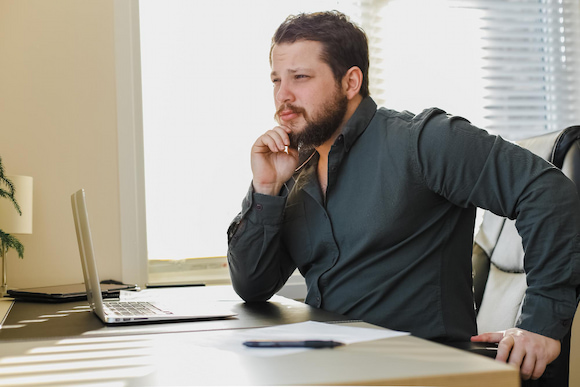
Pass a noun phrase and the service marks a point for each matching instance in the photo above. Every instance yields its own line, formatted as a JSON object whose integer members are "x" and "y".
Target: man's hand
{"x": 528, "y": 351}
{"x": 273, "y": 161}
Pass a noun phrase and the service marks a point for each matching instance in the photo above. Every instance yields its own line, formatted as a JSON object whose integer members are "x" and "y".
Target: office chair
{"x": 499, "y": 280}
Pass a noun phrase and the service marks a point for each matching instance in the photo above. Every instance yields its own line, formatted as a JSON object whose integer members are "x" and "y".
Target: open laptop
{"x": 114, "y": 312}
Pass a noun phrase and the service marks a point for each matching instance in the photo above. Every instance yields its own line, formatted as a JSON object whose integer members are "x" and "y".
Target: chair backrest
{"x": 499, "y": 280}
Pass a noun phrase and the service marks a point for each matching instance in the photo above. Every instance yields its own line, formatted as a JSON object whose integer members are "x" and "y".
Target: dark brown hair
{"x": 344, "y": 43}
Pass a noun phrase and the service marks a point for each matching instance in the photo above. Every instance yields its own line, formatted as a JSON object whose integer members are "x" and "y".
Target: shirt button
{"x": 259, "y": 207}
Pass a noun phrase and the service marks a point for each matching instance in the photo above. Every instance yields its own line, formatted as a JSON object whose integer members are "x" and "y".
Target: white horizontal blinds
{"x": 530, "y": 65}
{"x": 371, "y": 22}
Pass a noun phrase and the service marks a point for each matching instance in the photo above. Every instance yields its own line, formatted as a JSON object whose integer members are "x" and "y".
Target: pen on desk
{"x": 293, "y": 344}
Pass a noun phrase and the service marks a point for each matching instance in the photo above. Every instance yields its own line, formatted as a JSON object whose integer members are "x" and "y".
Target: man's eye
{"x": 301, "y": 76}
{"x": 276, "y": 80}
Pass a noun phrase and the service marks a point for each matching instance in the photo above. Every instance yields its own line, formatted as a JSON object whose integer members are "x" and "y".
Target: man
{"x": 376, "y": 208}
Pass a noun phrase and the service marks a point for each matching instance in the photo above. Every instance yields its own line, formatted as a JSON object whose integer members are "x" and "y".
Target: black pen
{"x": 293, "y": 344}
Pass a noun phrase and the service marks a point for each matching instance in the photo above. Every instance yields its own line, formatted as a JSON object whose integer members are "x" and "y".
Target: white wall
{"x": 58, "y": 124}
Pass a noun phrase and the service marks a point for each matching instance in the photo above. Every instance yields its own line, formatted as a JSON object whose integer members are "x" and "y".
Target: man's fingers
{"x": 294, "y": 153}
{"x": 272, "y": 164}
{"x": 532, "y": 367}
{"x": 492, "y": 337}
{"x": 528, "y": 351}
{"x": 538, "y": 370}
{"x": 275, "y": 140}
{"x": 527, "y": 366}
{"x": 504, "y": 348}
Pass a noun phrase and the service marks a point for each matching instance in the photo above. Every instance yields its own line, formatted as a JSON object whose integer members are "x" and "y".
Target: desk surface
{"x": 28, "y": 320}
{"x": 186, "y": 356}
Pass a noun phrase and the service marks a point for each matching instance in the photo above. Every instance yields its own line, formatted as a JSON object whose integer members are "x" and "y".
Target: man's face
{"x": 308, "y": 99}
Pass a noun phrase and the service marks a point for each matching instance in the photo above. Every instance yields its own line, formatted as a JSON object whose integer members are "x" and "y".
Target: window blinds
{"x": 424, "y": 53}
{"x": 530, "y": 64}
{"x": 528, "y": 81}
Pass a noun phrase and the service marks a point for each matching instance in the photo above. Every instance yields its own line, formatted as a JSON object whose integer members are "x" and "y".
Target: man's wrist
{"x": 267, "y": 189}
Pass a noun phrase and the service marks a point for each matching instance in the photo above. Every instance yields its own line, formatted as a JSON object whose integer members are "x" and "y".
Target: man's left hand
{"x": 528, "y": 351}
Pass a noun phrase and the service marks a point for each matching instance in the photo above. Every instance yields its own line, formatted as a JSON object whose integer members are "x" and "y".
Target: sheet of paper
{"x": 180, "y": 297}
{"x": 188, "y": 294}
{"x": 310, "y": 330}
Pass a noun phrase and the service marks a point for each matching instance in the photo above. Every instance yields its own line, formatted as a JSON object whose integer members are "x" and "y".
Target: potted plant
{"x": 7, "y": 191}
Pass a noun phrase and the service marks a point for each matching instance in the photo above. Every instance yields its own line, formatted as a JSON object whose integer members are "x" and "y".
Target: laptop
{"x": 115, "y": 312}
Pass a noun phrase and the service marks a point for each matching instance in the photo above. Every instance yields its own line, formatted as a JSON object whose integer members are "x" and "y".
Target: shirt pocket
{"x": 296, "y": 236}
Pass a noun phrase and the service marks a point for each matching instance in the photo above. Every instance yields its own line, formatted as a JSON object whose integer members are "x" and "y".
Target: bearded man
{"x": 376, "y": 208}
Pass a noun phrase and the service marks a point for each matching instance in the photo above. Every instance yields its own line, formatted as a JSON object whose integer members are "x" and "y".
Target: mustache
{"x": 292, "y": 108}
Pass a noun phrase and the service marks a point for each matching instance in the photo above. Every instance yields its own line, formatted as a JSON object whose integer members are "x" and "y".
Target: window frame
{"x": 134, "y": 267}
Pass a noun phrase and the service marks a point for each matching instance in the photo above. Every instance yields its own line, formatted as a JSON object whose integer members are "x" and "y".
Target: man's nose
{"x": 284, "y": 94}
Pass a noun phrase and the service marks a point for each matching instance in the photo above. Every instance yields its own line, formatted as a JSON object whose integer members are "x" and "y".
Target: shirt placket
{"x": 332, "y": 249}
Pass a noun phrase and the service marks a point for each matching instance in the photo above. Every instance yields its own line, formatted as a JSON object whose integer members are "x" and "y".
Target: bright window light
{"x": 207, "y": 92}
{"x": 207, "y": 96}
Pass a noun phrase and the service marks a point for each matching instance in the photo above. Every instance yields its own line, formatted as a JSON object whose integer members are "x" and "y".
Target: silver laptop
{"x": 114, "y": 312}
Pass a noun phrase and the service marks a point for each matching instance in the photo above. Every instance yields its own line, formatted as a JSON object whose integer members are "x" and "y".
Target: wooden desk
{"x": 195, "y": 358}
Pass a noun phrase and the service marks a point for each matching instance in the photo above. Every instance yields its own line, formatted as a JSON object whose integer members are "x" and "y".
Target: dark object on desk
{"x": 66, "y": 293}
{"x": 485, "y": 349}
{"x": 293, "y": 344}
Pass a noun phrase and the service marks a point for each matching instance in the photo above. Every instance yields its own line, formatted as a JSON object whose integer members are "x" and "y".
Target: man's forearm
{"x": 548, "y": 223}
{"x": 259, "y": 265}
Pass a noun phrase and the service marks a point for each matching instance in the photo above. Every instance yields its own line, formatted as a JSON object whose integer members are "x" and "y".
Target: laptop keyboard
{"x": 133, "y": 308}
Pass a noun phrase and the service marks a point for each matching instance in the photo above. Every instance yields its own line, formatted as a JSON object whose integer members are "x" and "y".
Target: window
{"x": 506, "y": 65}
{"x": 207, "y": 96}
{"x": 424, "y": 54}
{"x": 530, "y": 63}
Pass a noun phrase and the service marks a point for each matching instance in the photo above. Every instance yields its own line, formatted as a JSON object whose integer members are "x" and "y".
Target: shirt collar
{"x": 359, "y": 121}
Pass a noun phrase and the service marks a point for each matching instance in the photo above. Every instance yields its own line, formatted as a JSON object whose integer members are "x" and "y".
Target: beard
{"x": 320, "y": 128}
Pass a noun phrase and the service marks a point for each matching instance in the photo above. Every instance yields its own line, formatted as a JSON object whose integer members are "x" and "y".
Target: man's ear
{"x": 352, "y": 82}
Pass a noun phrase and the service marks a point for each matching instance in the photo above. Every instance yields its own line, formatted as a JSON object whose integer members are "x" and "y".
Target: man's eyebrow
{"x": 291, "y": 71}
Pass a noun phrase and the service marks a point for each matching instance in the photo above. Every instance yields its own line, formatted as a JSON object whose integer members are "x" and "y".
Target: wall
{"x": 58, "y": 124}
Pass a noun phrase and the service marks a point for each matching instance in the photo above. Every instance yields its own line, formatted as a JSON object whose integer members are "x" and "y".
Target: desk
{"x": 187, "y": 357}
{"x": 29, "y": 320}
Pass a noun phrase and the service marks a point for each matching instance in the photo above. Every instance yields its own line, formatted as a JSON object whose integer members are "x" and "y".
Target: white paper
{"x": 182, "y": 294}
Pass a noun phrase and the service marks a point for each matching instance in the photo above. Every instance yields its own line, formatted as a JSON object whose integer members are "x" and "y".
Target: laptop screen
{"x": 87, "y": 251}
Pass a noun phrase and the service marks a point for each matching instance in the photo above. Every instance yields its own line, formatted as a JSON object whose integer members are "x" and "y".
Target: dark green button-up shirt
{"x": 392, "y": 242}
